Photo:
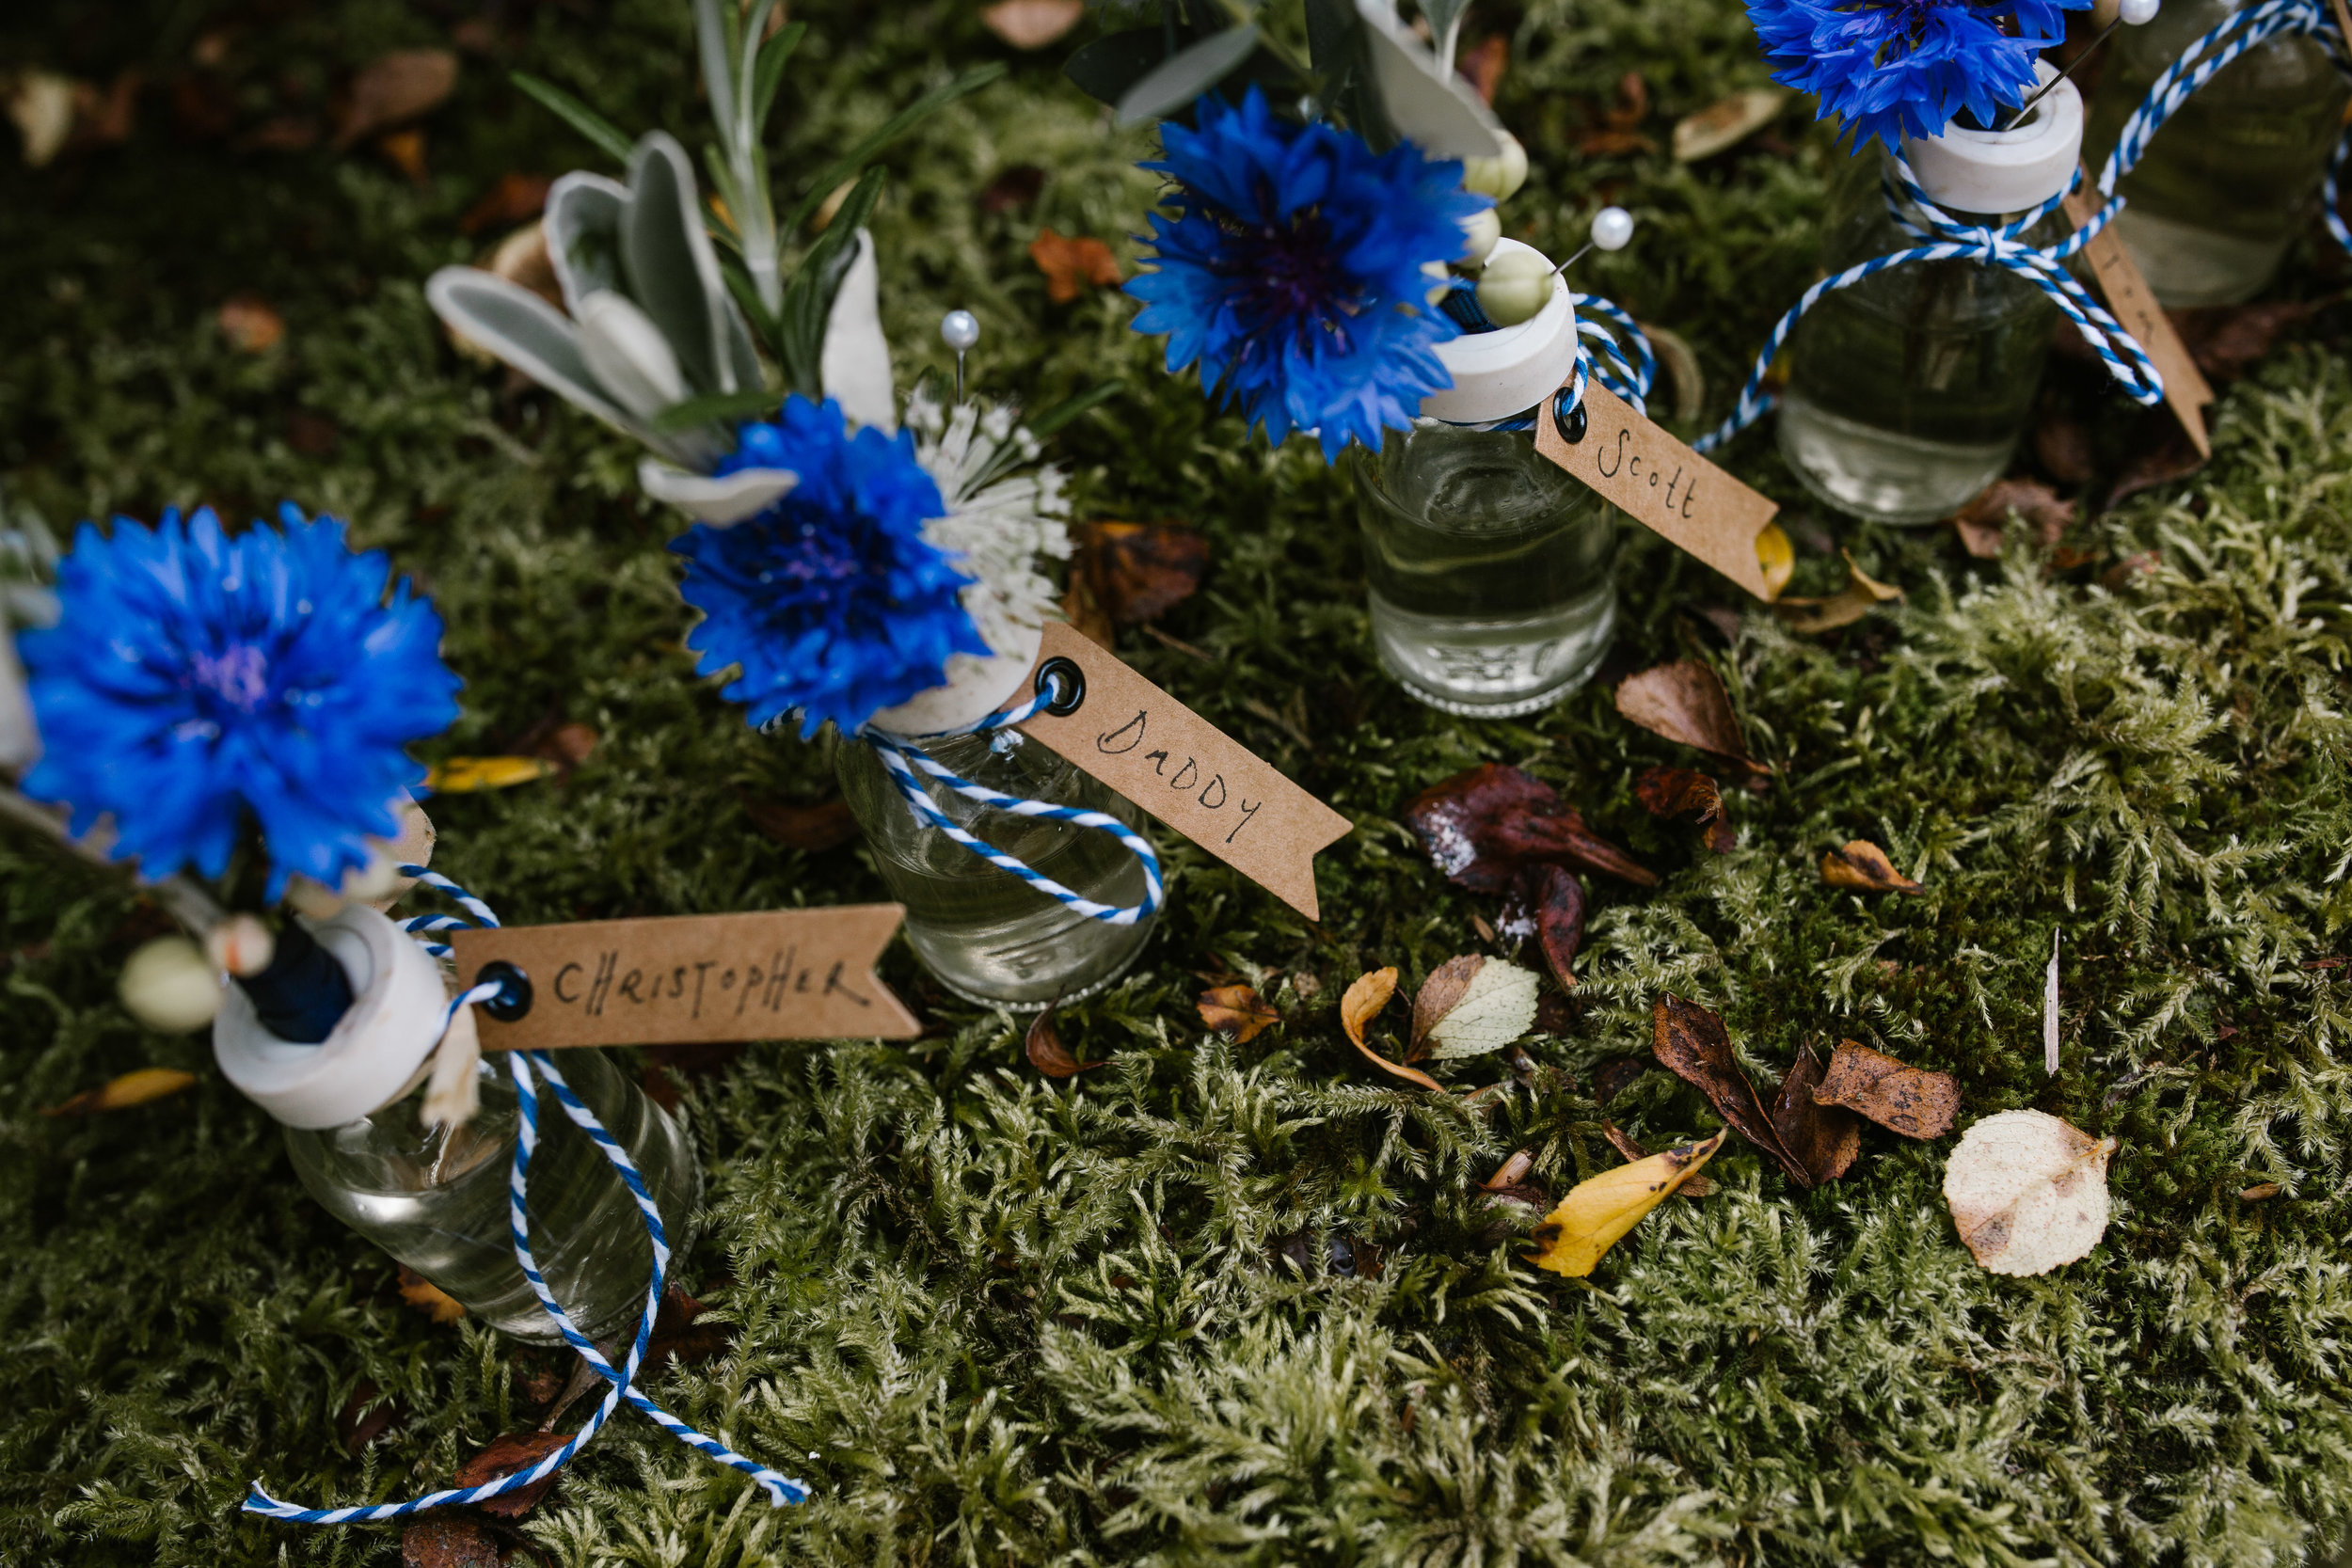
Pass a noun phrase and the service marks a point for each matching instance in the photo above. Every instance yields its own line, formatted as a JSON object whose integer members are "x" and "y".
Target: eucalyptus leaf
{"x": 579, "y": 116}
{"x": 1435, "y": 110}
{"x": 583, "y": 235}
{"x": 1175, "y": 82}
{"x": 672, "y": 272}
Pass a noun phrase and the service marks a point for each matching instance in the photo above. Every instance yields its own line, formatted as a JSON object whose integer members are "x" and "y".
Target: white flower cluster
{"x": 999, "y": 522}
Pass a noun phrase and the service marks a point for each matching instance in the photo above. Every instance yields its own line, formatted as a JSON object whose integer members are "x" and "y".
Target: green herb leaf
{"x": 579, "y": 116}
{"x": 891, "y": 130}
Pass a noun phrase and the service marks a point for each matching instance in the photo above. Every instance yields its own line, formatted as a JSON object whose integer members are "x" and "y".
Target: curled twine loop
{"x": 621, "y": 1382}
{"x": 1057, "y": 690}
{"x": 2204, "y": 58}
{"x": 2000, "y": 245}
{"x": 1629, "y": 378}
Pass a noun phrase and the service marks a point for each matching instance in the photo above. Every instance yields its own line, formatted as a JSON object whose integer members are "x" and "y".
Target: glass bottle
{"x": 1908, "y": 390}
{"x": 1491, "y": 569}
{"x": 2228, "y": 180}
{"x": 436, "y": 1198}
{"x": 988, "y": 935}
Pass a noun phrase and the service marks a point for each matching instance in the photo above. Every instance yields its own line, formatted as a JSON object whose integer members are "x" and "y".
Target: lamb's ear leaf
{"x": 1175, "y": 82}
{"x": 883, "y": 135}
{"x": 722, "y": 501}
{"x": 673, "y": 271}
{"x": 583, "y": 232}
{"x": 854, "y": 363}
{"x": 1438, "y": 112}
{"x": 1445, "y": 26}
{"x": 579, "y": 116}
{"x": 524, "y": 330}
{"x": 808, "y": 298}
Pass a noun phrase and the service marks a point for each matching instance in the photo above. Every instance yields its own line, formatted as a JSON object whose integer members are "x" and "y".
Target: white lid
{"x": 375, "y": 1053}
{"x": 975, "y": 688}
{"x": 1497, "y": 374}
{"x": 2004, "y": 172}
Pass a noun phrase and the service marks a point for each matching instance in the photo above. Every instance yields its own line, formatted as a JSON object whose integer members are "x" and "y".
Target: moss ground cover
{"x": 1210, "y": 1301}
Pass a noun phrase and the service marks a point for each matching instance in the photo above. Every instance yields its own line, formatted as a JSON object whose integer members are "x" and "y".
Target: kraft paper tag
{"x": 694, "y": 978}
{"x": 2135, "y": 308}
{"x": 1663, "y": 484}
{"x": 1187, "y": 772}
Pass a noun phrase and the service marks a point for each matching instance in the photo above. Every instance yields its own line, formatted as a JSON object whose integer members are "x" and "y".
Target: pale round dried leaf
{"x": 1497, "y": 1007}
{"x": 2028, "y": 1192}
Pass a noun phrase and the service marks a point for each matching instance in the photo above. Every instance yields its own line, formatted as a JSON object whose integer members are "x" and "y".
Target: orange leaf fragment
{"x": 1238, "y": 1011}
{"x": 1070, "y": 261}
{"x": 1361, "y": 1006}
{"x": 1863, "y": 867}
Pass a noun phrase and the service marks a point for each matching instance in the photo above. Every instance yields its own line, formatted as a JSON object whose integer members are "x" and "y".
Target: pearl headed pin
{"x": 959, "y": 330}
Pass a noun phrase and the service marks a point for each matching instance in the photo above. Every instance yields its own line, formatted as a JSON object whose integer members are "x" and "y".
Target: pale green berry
{"x": 170, "y": 986}
{"x": 1498, "y": 177}
{"x": 1480, "y": 233}
{"x": 1514, "y": 287}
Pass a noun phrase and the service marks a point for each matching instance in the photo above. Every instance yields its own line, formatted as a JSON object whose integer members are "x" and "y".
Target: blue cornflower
{"x": 193, "y": 680}
{"x": 832, "y": 601}
{"x": 1294, "y": 272}
{"x": 1891, "y": 68}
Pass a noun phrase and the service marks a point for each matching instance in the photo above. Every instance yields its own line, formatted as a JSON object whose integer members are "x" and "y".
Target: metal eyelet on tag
{"x": 1571, "y": 424}
{"x": 1063, "y": 686}
{"x": 514, "y": 999}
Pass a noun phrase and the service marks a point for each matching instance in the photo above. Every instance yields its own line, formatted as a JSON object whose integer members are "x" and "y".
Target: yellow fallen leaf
{"x": 1862, "y": 593}
{"x": 465, "y": 775}
{"x": 131, "y": 1088}
{"x": 1361, "y": 1006}
{"x": 429, "y": 1298}
{"x": 1863, "y": 867}
{"x": 1777, "y": 556}
{"x": 1596, "y": 1213}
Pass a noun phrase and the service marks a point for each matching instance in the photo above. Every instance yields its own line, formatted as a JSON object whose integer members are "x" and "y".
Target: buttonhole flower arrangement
{"x": 1296, "y": 270}
{"x": 201, "y": 693}
{"x": 1888, "y": 69}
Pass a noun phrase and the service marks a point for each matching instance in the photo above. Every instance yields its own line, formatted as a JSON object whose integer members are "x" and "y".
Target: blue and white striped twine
{"x": 1949, "y": 239}
{"x": 901, "y": 757}
{"x": 621, "y": 1380}
{"x": 2202, "y": 60}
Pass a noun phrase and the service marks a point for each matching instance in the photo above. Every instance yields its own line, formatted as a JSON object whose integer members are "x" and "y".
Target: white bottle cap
{"x": 2004, "y": 172}
{"x": 376, "y": 1052}
{"x": 974, "y": 688}
{"x": 1497, "y": 374}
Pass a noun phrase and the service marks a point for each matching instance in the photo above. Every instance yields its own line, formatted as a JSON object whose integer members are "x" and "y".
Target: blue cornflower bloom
{"x": 193, "y": 680}
{"x": 1892, "y": 68}
{"x": 832, "y": 601}
{"x": 1294, "y": 271}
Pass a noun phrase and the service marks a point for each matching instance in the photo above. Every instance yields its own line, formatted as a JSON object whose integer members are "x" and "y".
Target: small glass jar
{"x": 2228, "y": 180}
{"x": 1491, "y": 568}
{"x": 1908, "y": 390}
{"x": 988, "y": 935}
{"x": 436, "y": 1197}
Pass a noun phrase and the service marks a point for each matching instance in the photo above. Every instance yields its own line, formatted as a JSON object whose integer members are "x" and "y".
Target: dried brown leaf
{"x": 1138, "y": 571}
{"x": 1981, "y": 522}
{"x": 136, "y": 1088}
{"x": 515, "y": 199}
{"x": 1238, "y": 1011}
{"x": 250, "y": 324}
{"x": 2161, "y": 454}
{"x": 508, "y": 1452}
{"x": 429, "y": 1298}
{"x": 1439, "y": 996}
{"x": 1685, "y": 701}
{"x": 2227, "y": 340}
{"x": 364, "y": 1417}
{"x": 1824, "y": 1139}
{"x": 814, "y": 826}
{"x": 1032, "y": 24}
{"x": 2027, "y": 1191}
{"x": 1915, "y": 1102}
{"x": 1362, "y": 1003}
{"x": 681, "y": 1336}
{"x": 393, "y": 88}
{"x": 2258, "y": 1192}
{"x": 1481, "y": 825}
{"x": 1624, "y": 1143}
{"x": 448, "y": 1540}
{"x": 1012, "y": 189}
{"x": 1727, "y": 122}
{"x": 1483, "y": 63}
{"x": 1611, "y": 1079}
{"x": 1547, "y": 902}
{"x": 1864, "y": 866}
{"x": 2061, "y": 444}
{"x": 1686, "y": 792}
{"x": 1605, "y": 142}
{"x": 1047, "y": 1052}
{"x": 405, "y": 151}
{"x": 1070, "y": 262}
{"x": 1691, "y": 1043}
{"x": 1862, "y": 594}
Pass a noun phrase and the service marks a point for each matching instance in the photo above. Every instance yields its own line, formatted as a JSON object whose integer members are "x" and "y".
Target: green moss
{"x": 996, "y": 1319}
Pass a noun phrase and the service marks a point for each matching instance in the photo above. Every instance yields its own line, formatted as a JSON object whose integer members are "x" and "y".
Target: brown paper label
{"x": 1664, "y": 485}
{"x": 2135, "y": 308}
{"x": 687, "y": 979}
{"x": 1188, "y": 773}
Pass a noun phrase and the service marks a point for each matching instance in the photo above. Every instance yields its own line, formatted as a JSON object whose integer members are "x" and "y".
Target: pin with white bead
{"x": 959, "y": 330}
